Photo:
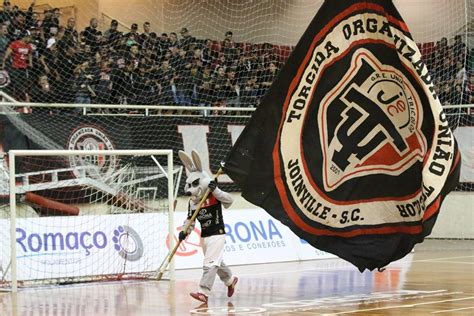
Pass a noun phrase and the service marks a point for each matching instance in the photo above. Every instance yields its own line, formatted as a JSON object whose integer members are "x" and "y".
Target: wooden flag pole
{"x": 170, "y": 255}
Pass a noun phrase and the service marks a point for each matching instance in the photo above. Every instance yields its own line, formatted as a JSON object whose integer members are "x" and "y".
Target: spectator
{"x": 164, "y": 43}
{"x": 104, "y": 54}
{"x": 82, "y": 85}
{"x": 442, "y": 47}
{"x": 186, "y": 42}
{"x": 182, "y": 85}
{"x": 229, "y": 37}
{"x": 267, "y": 55}
{"x": 50, "y": 60}
{"x": 83, "y": 54}
{"x": 221, "y": 87}
{"x": 133, "y": 31}
{"x": 103, "y": 88}
{"x": 54, "y": 39}
{"x": 233, "y": 87}
{"x": 149, "y": 58}
{"x": 142, "y": 86}
{"x": 121, "y": 55}
{"x": 37, "y": 44}
{"x": 152, "y": 43}
{"x": 71, "y": 36}
{"x": 6, "y": 14}
{"x": 145, "y": 36}
{"x": 32, "y": 18}
{"x": 250, "y": 90}
{"x": 230, "y": 53}
{"x": 66, "y": 64}
{"x": 134, "y": 56}
{"x": 51, "y": 22}
{"x": 195, "y": 75}
{"x": 173, "y": 41}
{"x": 269, "y": 75}
{"x": 55, "y": 18}
{"x": 92, "y": 35}
{"x": 21, "y": 56}
{"x": 248, "y": 66}
{"x": 461, "y": 74}
{"x": 196, "y": 58}
{"x": 17, "y": 26}
{"x": 112, "y": 35}
{"x": 42, "y": 91}
{"x": 205, "y": 88}
{"x": 445, "y": 95}
{"x": 4, "y": 40}
{"x": 164, "y": 78}
{"x": 209, "y": 55}
{"x": 460, "y": 95}
{"x": 122, "y": 84}
{"x": 131, "y": 38}
{"x": 459, "y": 48}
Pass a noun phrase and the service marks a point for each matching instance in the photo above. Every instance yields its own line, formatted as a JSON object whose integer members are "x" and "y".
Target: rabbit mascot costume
{"x": 212, "y": 225}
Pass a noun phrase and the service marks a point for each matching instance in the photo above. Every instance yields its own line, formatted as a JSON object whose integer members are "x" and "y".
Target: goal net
{"x": 89, "y": 215}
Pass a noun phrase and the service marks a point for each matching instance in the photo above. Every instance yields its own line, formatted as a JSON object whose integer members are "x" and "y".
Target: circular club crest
{"x": 91, "y": 138}
{"x": 354, "y": 127}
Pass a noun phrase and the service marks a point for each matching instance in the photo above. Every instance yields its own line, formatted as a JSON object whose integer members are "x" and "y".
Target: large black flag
{"x": 350, "y": 147}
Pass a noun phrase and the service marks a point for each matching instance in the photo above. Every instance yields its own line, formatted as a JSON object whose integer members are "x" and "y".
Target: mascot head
{"x": 198, "y": 180}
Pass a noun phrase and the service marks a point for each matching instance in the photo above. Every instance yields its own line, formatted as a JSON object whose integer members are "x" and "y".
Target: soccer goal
{"x": 87, "y": 215}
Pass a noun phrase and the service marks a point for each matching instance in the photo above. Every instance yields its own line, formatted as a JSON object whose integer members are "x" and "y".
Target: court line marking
{"x": 312, "y": 308}
{"x": 325, "y": 268}
{"x": 269, "y": 272}
{"x": 318, "y": 269}
{"x": 458, "y": 262}
{"x": 443, "y": 258}
{"x": 400, "y": 306}
{"x": 452, "y": 310}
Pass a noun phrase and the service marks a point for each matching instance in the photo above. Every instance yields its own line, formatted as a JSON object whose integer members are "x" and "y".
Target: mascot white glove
{"x": 183, "y": 234}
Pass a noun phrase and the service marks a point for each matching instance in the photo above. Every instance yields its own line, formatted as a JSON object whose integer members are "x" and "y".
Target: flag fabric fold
{"x": 350, "y": 147}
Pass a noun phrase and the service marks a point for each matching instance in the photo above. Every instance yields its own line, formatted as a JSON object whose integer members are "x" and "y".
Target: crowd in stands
{"x": 452, "y": 70}
{"x": 53, "y": 63}
{"x": 48, "y": 62}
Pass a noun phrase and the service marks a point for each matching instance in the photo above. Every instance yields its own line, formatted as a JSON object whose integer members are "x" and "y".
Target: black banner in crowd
{"x": 211, "y": 136}
{"x": 350, "y": 147}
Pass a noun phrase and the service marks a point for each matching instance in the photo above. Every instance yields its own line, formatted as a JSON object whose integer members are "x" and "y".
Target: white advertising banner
{"x": 62, "y": 247}
{"x": 253, "y": 236}
{"x": 57, "y": 247}
{"x": 465, "y": 138}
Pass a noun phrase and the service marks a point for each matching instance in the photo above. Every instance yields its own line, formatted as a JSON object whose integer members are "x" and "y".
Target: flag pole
{"x": 161, "y": 270}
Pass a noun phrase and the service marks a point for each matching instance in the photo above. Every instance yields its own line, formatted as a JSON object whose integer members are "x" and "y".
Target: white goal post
{"x": 126, "y": 196}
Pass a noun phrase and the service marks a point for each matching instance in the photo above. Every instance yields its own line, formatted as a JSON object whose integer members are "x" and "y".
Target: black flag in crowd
{"x": 350, "y": 148}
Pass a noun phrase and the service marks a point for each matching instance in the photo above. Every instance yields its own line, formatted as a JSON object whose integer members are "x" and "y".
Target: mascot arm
{"x": 224, "y": 197}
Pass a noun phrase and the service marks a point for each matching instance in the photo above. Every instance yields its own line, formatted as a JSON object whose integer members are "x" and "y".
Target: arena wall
{"x": 456, "y": 219}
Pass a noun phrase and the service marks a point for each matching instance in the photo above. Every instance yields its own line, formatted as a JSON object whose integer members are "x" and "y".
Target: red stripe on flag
{"x": 433, "y": 209}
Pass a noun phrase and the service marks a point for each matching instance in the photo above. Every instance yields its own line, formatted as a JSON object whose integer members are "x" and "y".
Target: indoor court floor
{"x": 437, "y": 278}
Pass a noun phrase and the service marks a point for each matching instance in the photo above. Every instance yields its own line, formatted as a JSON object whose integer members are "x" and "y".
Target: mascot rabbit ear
{"x": 186, "y": 160}
{"x": 197, "y": 160}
